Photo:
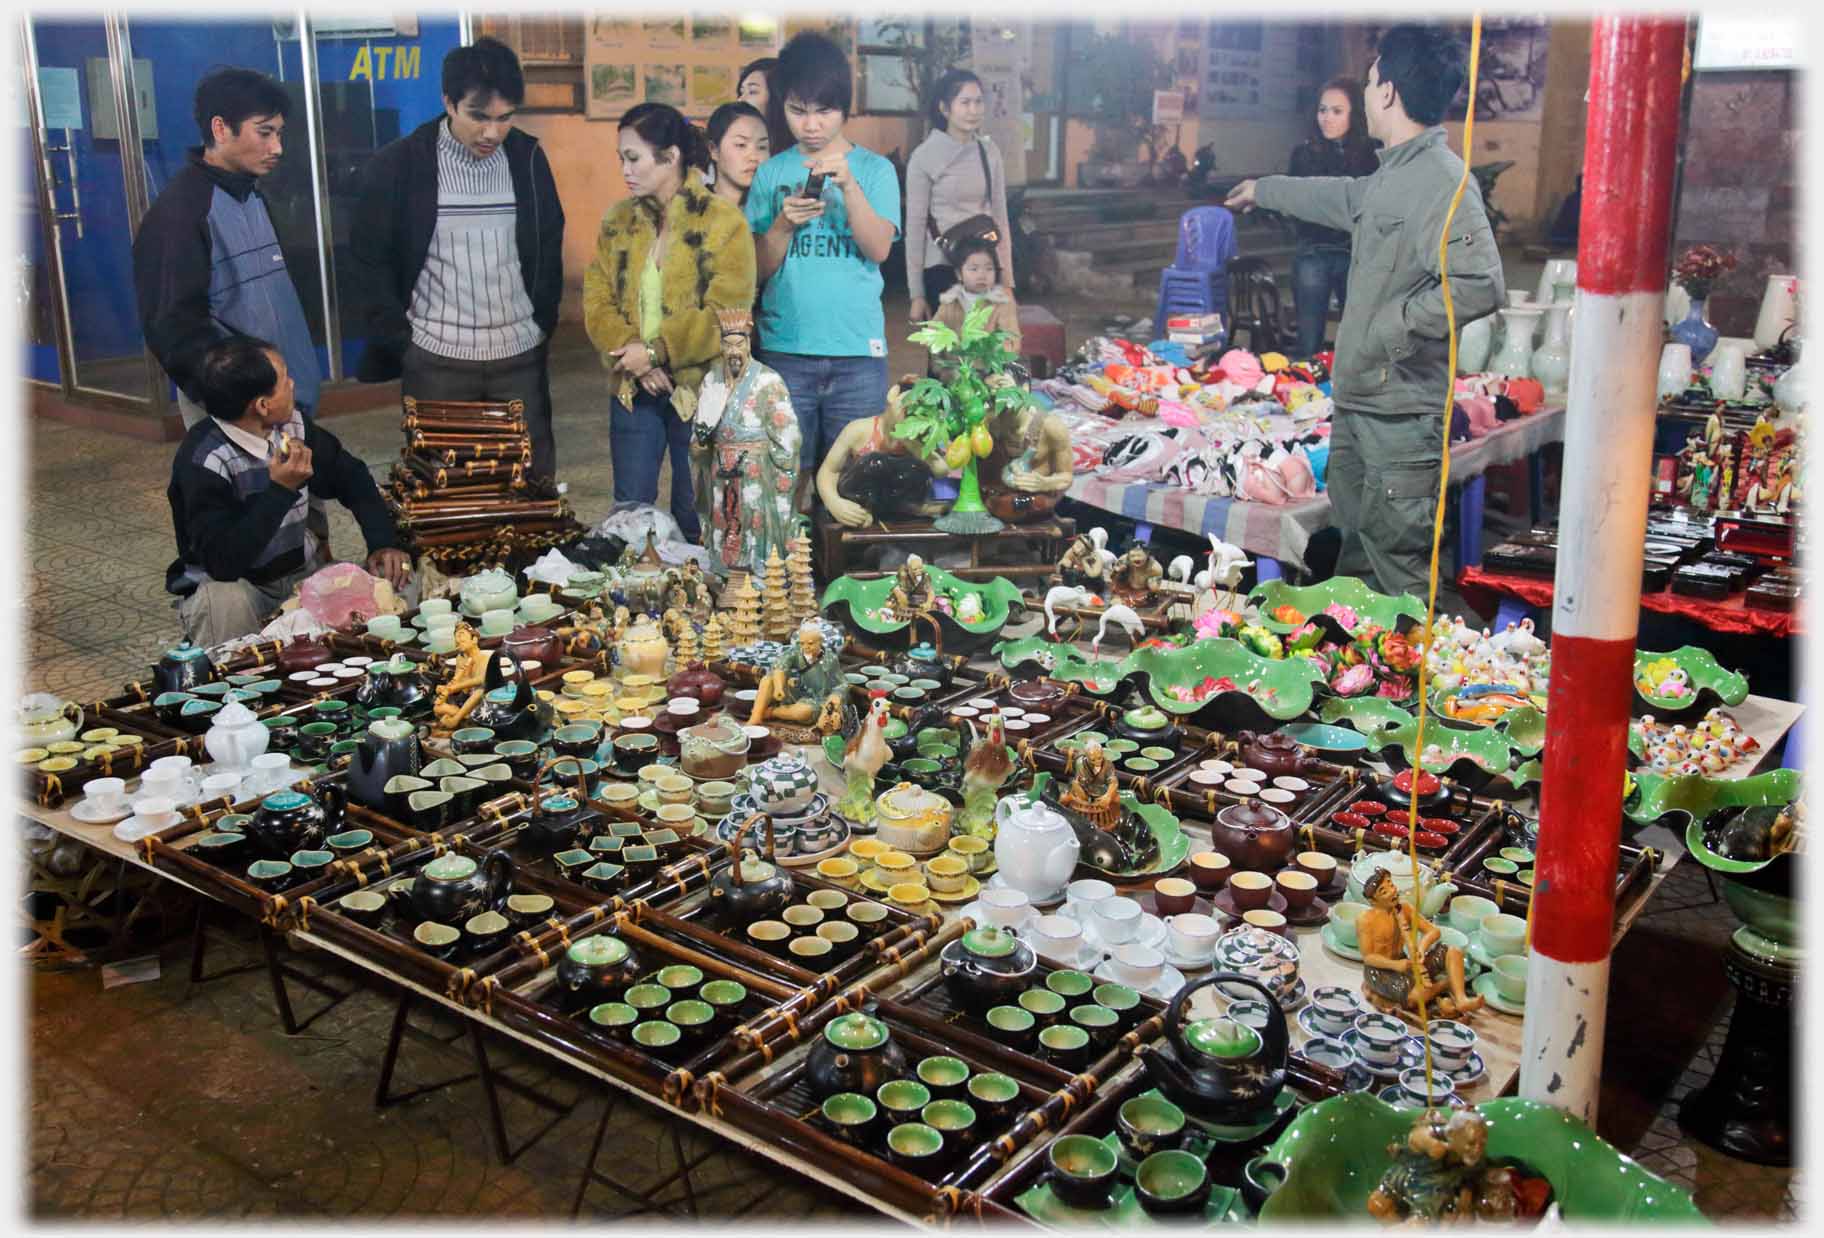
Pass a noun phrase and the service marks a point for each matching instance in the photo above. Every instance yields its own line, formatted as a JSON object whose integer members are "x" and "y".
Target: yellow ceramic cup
{"x": 868, "y": 849}
{"x": 618, "y": 795}
{"x": 57, "y": 765}
{"x": 947, "y": 873}
{"x": 977, "y": 853}
{"x": 572, "y": 708}
{"x": 679, "y": 817}
{"x": 577, "y": 678}
{"x": 64, "y": 748}
{"x": 635, "y": 682}
{"x": 598, "y": 693}
{"x": 895, "y": 863}
{"x": 100, "y": 735}
{"x": 632, "y": 707}
{"x": 909, "y": 894}
{"x": 673, "y": 788}
{"x": 31, "y": 756}
{"x": 650, "y": 775}
{"x": 839, "y": 869}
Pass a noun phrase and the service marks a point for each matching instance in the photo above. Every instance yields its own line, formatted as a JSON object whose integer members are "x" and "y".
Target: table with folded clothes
{"x": 1236, "y": 445}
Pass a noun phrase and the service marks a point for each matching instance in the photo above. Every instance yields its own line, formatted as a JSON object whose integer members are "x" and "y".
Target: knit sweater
{"x": 944, "y": 185}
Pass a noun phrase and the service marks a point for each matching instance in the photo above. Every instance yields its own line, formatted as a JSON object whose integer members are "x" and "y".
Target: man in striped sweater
{"x": 457, "y": 248}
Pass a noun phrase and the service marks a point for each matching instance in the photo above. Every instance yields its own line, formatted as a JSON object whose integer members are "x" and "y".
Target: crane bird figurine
{"x": 1226, "y": 561}
{"x": 1124, "y": 618}
{"x": 1062, "y": 595}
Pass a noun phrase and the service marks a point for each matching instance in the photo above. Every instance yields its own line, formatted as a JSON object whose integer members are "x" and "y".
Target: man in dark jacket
{"x": 241, "y": 489}
{"x": 1392, "y": 372}
{"x": 206, "y": 262}
{"x": 458, "y": 250}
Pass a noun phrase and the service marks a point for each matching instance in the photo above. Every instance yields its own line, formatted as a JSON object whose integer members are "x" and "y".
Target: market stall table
{"x": 1733, "y": 615}
{"x": 1281, "y": 532}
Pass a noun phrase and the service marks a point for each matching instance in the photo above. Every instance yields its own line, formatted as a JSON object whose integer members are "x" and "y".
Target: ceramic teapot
{"x": 183, "y": 668}
{"x": 396, "y": 684}
{"x": 699, "y": 683}
{"x": 1274, "y": 754}
{"x": 714, "y": 749}
{"x": 594, "y": 969}
{"x": 1437, "y": 894}
{"x": 489, "y": 590}
{"x": 922, "y": 662}
{"x": 46, "y": 719}
{"x": 236, "y": 737}
{"x": 856, "y": 1053}
{"x": 911, "y": 818}
{"x": 452, "y": 888}
{"x": 558, "y": 818}
{"x": 1255, "y": 836}
{"x": 288, "y": 821}
{"x": 987, "y": 967}
{"x": 533, "y": 643}
{"x": 1219, "y": 1069}
{"x": 303, "y": 654}
{"x": 643, "y": 649}
{"x": 387, "y": 749}
{"x": 783, "y": 785}
{"x": 1034, "y": 846}
{"x": 510, "y": 710}
{"x": 749, "y": 888}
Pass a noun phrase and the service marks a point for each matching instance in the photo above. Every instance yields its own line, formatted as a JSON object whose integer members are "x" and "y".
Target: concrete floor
{"x": 145, "y": 1105}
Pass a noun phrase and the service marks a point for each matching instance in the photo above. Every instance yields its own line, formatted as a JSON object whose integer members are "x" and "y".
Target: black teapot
{"x": 987, "y": 967}
{"x": 288, "y": 821}
{"x": 452, "y": 888}
{"x": 749, "y": 888}
{"x": 1219, "y": 1069}
{"x": 593, "y": 970}
{"x": 388, "y": 748}
{"x": 558, "y": 818}
{"x": 922, "y": 661}
{"x": 182, "y": 669}
{"x": 511, "y": 711}
{"x": 856, "y": 1053}
{"x": 397, "y": 684}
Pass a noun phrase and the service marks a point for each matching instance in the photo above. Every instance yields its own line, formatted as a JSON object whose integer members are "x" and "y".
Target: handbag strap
{"x": 981, "y": 149}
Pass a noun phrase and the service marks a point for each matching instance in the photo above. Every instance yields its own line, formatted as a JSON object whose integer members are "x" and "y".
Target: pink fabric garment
{"x": 1238, "y": 365}
{"x": 1480, "y": 410}
{"x": 1173, "y": 413}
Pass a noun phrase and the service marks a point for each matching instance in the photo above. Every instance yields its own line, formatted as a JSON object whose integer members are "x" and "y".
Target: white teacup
{"x": 1334, "y": 1008}
{"x": 1251, "y": 1012}
{"x": 350, "y": 672}
{"x": 1193, "y": 936}
{"x": 169, "y": 785}
{"x": 1379, "y": 1037}
{"x": 106, "y": 796}
{"x": 1058, "y": 936}
{"x": 156, "y": 811}
{"x": 496, "y": 622}
{"x": 271, "y": 771}
{"x": 222, "y": 786}
{"x": 434, "y": 606}
{"x": 1085, "y": 894}
{"x": 1005, "y": 908}
{"x": 330, "y": 668}
{"x": 1412, "y": 1087}
{"x": 301, "y": 676}
{"x": 179, "y": 765}
{"x": 1209, "y": 777}
{"x": 443, "y": 641}
{"x": 386, "y": 627}
{"x": 1451, "y": 1043}
{"x": 1138, "y": 966}
{"x": 442, "y": 622}
{"x": 1117, "y": 920}
{"x": 1216, "y": 765}
{"x": 360, "y": 660}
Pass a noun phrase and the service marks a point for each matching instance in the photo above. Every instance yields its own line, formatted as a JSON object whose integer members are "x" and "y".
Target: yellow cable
{"x": 1437, "y": 537}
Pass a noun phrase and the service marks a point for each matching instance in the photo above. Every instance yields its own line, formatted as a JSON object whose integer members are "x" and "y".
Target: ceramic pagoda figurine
{"x": 683, "y": 635}
{"x": 712, "y": 640}
{"x": 775, "y": 598}
{"x": 744, "y": 628}
{"x": 803, "y": 597}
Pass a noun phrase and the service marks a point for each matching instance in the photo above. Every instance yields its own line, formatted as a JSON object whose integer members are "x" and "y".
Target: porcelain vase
{"x": 1694, "y": 331}
{"x": 1729, "y": 371}
{"x": 1674, "y": 370}
{"x": 1473, "y": 344}
{"x": 1516, "y": 359}
{"x": 1778, "y": 309}
{"x": 1552, "y": 359}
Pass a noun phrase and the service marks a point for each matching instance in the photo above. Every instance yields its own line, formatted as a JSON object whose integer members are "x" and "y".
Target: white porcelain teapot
{"x": 46, "y": 719}
{"x": 1399, "y": 864}
{"x": 1034, "y": 846}
{"x": 236, "y": 737}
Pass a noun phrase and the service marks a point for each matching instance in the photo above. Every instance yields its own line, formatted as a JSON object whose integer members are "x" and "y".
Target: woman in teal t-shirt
{"x": 819, "y": 255}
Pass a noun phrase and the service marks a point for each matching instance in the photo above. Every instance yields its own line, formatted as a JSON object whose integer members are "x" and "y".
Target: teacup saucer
{"x": 1150, "y": 933}
{"x": 1188, "y": 964}
{"x": 972, "y": 889}
{"x": 1087, "y": 958}
{"x": 999, "y": 882}
{"x": 1337, "y": 947}
{"x": 135, "y": 828}
{"x": 1307, "y": 1022}
{"x": 1461, "y": 1077}
{"x": 1165, "y": 987}
{"x": 1022, "y": 927}
{"x": 1479, "y": 953}
{"x": 84, "y": 811}
{"x": 1484, "y": 988}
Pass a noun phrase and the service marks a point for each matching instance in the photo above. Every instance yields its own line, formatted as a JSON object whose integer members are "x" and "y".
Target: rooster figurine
{"x": 984, "y": 771}
{"x": 862, "y": 758}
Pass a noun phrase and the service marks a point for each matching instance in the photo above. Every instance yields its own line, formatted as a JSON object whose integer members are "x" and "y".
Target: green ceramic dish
{"x": 859, "y": 603}
{"x": 1281, "y": 688}
{"x": 1310, "y": 600}
{"x": 1334, "y": 1153}
{"x": 1064, "y": 663}
{"x": 1525, "y": 730}
{"x": 1710, "y": 684}
{"x": 1174, "y": 843}
{"x": 1693, "y": 793}
{"x": 1333, "y": 743}
{"x": 1477, "y": 759}
{"x": 1370, "y": 715}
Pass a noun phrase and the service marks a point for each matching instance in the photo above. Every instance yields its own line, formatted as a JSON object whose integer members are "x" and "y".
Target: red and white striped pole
{"x": 1635, "y": 81}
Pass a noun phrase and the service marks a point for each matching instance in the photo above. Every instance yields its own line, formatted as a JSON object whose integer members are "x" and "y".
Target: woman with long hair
{"x": 669, "y": 257}
{"x": 738, "y": 145}
{"x": 754, "y": 87}
{"x": 1340, "y": 146}
{"x": 956, "y": 173}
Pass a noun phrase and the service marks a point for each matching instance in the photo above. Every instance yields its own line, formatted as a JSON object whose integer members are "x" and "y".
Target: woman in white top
{"x": 944, "y": 186}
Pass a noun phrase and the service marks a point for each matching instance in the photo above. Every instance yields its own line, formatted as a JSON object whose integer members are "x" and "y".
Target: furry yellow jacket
{"x": 708, "y": 265}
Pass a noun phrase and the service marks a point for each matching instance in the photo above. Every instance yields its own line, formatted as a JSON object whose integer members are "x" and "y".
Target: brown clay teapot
{"x": 1256, "y": 837}
{"x": 303, "y": 654}
{"x": 533, "y": 643}
{"x": 1274, "y": 754}
{"x": 699, "y": 683}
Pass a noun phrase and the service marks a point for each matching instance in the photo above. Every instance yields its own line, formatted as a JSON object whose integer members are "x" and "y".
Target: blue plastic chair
{"x": 1197, "y": 281}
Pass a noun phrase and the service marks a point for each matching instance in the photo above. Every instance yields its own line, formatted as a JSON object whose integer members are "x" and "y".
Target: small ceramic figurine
{"x": 458, "y": 695}
{"x": 1086, "y": 563}
{"x": 985, "y": 770}
{"x": 1394, "y": 980}
{"x": 801, "y": 684}
{"x": 862, "y": 758}
{"x": 1093, "y": 792}
{"x": 866, "y": 462}
{"x": 911, "y": 593}
{"x": 746, "y": 442}
{"x": 1436, "y": 1171}
{"x": 587, "y": 631}
{"x": 1136, "y": 575}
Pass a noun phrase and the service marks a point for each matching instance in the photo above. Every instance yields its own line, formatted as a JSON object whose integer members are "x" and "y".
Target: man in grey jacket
{"x": 1392, "y": 369}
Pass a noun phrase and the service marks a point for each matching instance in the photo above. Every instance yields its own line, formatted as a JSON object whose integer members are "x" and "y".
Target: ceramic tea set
{"x": 669, "y": 1013}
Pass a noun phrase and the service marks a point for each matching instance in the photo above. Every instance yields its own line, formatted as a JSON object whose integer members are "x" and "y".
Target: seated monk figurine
{"x": 1395, "y": 979}
{"x": 866, "y": 461}
{"x": 458, "y": 695}
{"x": 1437, "y": 1172}
{"x": 1093, "y": 791}
{"x": 587, "y": 631}
{"x": 801, "y": 683}
{"x": 1136, "y": 574}
{"x": 911, "y": 593}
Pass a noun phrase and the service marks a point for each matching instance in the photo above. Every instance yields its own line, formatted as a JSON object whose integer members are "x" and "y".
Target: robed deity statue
{"x": 745, "y": 442}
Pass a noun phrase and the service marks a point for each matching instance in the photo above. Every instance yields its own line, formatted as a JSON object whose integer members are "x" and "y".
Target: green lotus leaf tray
{"x": 1062, "y": 662}
{"x": 1656, "y": 795}
{"x": 1371, "y": 715}
{"x": 1710, "y": 684}
{"x": 1283, "y": 688}
{"x": 1525, "y": 729}
{"x": 1310, "y": 601}
{"x": 1333, "y": 1155}
{"x": 859, "y": 603}
{"x": 1174, "y": 843}
{"x": 1477, "y": 759}
{"x": 1333, "y": 743}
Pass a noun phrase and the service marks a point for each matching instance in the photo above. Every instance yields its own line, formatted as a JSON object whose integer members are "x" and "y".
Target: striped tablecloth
{"x": 1282, "y": 532}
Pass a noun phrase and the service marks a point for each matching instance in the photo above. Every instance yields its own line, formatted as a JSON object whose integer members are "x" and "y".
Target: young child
{"x": 978, "y": 270}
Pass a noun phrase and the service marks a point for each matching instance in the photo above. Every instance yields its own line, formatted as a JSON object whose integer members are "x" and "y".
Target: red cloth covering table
{"x": 1482, "y": 589}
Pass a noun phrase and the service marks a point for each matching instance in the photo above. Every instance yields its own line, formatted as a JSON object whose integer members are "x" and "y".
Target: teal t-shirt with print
{"x": 824, "y": 300}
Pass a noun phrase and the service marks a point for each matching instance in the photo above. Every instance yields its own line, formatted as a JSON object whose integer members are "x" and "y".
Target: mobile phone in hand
{"x": 813, "y": 185}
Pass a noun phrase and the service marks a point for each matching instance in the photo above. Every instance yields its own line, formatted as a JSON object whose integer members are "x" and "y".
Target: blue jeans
{"x": 1316, "y": 273}
{"x": 827, "y": 394}
{"x": 638, "y": 438}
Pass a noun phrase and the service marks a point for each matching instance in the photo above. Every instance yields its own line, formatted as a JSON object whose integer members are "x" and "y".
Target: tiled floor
{"x": 264, "y": 1125}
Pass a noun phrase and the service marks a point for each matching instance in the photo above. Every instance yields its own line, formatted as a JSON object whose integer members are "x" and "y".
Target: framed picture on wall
{"x": 711, "y": 85}
{"x": 665, "y": 83}
{"x": 710, "y": 32}
{"x": 887, "y": 87}
{"x": 611, "y": 90}
{"x": 758, "y": 32}
{"x": 664, "y": 31}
